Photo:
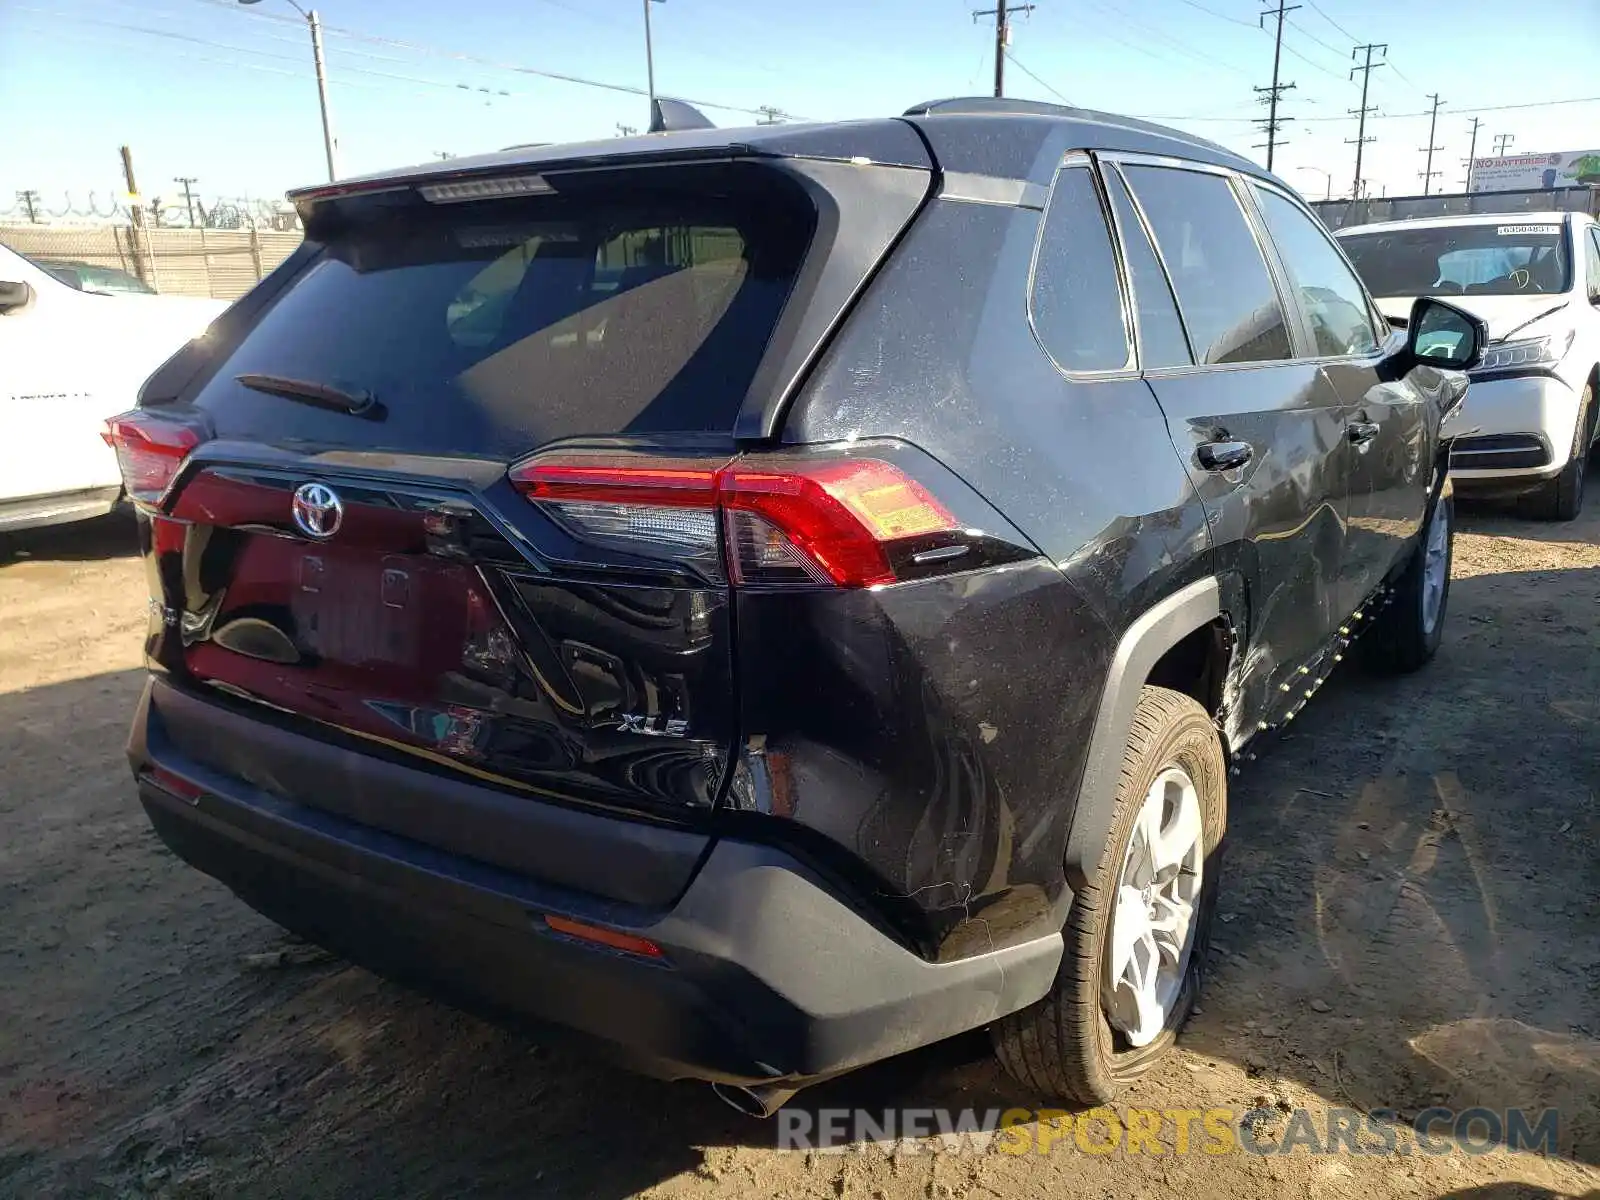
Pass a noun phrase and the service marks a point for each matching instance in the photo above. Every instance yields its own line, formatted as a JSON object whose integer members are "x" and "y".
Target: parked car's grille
{"x": 1499, "y": 451}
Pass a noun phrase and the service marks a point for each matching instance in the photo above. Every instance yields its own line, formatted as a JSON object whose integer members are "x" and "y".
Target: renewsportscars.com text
{"x": 1155, "y": 1131}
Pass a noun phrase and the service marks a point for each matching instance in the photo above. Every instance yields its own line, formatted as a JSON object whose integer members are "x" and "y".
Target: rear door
{"x": 1260, "y": 429}
{"x": 1387, "y": 424}
{"x": 348, "y": 554}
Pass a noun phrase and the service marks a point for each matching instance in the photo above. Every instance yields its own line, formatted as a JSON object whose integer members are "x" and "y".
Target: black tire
{"x": 1562, "y": 498}
{"x": 1063, "y": 1047}
{"x": 1401, "y": 639}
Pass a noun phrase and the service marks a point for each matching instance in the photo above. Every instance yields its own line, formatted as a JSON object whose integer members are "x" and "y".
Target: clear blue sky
{"x": 210, "y": 89}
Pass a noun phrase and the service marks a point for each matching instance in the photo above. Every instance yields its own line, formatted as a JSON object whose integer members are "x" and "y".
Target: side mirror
{"x": 1445, "y": 336}
{"x": 14, "y": 296}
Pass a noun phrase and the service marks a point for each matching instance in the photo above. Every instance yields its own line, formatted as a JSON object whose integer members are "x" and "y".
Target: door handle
{"x": 1224, "y": 456}
{"x": 1362, "y": 432}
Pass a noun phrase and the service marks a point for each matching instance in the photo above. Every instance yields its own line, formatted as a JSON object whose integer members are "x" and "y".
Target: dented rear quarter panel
{"x": 964, "y": 829}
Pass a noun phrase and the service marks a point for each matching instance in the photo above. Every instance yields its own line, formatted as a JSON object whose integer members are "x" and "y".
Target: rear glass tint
{"x": 493, "y": 328}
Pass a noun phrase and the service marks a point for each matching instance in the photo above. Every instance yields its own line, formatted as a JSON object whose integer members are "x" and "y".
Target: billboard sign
{"x": 1567, "y": 168}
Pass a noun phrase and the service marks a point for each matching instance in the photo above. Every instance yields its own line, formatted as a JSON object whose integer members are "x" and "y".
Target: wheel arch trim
{"x": 1152, "y": 634}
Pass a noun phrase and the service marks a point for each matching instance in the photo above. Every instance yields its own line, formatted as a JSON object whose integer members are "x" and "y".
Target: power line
{"x": 1403, "y": 77}
{"x": 1318, "y": 9}
{"x": 1220, "y": 16}
{"x": 1023, "y": 67}
{"x": 190, "y": 39}
{"x": 1325, "y": 45}
{"x": 1164, "y": 40}
{"x": 1312, "y": 63}
{"x": 459, "y": 56}
{"x": 1383, "y": 116}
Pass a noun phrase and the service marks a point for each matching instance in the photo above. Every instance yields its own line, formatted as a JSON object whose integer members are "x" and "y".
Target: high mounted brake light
{"x": 456, "y": 191}
{"x": 150, "y": 452}
{"x": 788, "y": 520}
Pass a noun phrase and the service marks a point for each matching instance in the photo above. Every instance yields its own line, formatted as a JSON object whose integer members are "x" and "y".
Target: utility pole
{"x": 1271, "y": 95}
{"x": 29, "y": 200}
{"x": 626, "y": 130}
{"x": 188, "y": 194}
{"x": 1472, "y": 154}
{"x": 770, "y": 115}
{"x": 1433, "y": 123}
{"x": 1361, "y": 138}
{"x": 314, "y": 24}
{"x": 1502, "y": 143}
{"x": 1001, "y": 13}
{"x": 137, "y": 211}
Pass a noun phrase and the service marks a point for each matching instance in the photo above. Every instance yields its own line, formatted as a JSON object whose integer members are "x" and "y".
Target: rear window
{"x": 1510, "y": 258}
{"x": 492, "y": 328}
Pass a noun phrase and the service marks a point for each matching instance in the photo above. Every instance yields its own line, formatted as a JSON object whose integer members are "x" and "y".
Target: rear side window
{"x": 1341, "y": 322}
{"x": 1592, "y": 256}
{"x": 1161, "y": 338}
{"x": 1227, "y": 296}
{"x": 1076, "y": 302}
{"x": 492, "y": 328}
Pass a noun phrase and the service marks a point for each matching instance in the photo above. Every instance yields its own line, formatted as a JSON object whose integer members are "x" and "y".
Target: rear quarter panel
{"x": 962, "y": 815}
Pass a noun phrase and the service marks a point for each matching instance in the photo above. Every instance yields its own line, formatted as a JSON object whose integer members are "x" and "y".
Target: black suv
{"x": 771, "y": 599}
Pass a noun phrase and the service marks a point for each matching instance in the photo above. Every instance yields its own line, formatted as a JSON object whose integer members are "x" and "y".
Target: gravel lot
{"x": 1410, "y": 918}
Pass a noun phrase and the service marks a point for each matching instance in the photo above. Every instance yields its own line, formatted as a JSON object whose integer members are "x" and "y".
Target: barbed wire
{"x": 160, "y": 212}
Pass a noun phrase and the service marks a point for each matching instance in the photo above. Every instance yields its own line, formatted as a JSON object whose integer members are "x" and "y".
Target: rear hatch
{"x": 347, "y": 532}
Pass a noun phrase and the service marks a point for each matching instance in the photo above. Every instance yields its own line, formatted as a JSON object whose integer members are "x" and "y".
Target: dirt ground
{"x": 1409, "y": 918}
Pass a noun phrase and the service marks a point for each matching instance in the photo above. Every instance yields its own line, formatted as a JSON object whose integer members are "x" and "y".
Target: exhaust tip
{"x": 760, "y": 1101}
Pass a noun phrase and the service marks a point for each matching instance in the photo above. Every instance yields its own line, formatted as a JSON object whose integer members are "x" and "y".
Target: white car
{"x": 68, "y": 360}
{"x": 1528, "y": 423}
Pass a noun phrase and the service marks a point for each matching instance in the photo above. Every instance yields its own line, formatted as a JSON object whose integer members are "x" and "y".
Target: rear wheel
{"x": 1136, "y": 938}
{"x": 1562, "y": 498}
{"x": 1407, "y": 633}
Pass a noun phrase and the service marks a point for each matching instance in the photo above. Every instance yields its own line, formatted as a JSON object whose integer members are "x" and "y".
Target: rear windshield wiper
{"x": 321, "y": 395}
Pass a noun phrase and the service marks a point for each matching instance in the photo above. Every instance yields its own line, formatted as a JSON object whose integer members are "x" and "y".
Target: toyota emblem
{"x": 317, "y": 510}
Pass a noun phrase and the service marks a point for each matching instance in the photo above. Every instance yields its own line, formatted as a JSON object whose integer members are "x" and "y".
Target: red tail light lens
{"x": 150, "y": 450}
{"x": 788, "y": 520}
{"x": 838, "y": 516}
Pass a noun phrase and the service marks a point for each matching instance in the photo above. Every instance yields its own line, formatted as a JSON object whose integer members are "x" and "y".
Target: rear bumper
{"x": 35, "y": 511}
{"x": 765, "y": 973}
{"x": 1528, "y": 420}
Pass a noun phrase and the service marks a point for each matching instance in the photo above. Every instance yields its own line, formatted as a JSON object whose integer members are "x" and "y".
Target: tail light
{"x": 150, "y": 450}
{"x": 832, "y": 522}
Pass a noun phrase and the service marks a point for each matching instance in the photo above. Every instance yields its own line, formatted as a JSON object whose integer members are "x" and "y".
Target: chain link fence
{"x": 219, "y": 263}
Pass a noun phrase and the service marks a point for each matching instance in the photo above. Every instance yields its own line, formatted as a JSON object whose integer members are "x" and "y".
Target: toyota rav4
{"x": 768, "y": 600}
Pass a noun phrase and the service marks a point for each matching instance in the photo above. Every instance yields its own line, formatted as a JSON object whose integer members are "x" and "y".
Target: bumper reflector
{"x": 614, "y": 939}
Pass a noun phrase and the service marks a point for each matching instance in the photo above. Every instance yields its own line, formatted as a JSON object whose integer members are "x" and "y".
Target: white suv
{"x": 68, "y": 360}
{"x": 1528, "y": 423}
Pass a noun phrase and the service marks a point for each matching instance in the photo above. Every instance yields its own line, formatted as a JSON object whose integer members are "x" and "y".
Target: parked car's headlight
{"x": 1527, "y": 352}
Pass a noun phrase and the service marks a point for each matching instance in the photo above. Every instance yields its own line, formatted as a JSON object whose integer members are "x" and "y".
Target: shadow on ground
{"x": 1417, "y": 859}
{"x": 111, "y": 536}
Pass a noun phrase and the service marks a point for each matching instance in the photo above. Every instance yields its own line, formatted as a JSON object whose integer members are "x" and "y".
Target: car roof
{"x": 979, "y": 135}
{"x": 1548, "y": 217}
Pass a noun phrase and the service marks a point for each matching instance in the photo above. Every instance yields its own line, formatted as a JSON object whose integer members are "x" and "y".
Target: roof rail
{"x": 673, "y": 116}
{"x": 1005, "y": 106}
{"x": 989, "y": 104}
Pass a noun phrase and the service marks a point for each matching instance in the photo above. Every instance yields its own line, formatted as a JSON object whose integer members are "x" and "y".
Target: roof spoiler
{"x": 673, "y": 116}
